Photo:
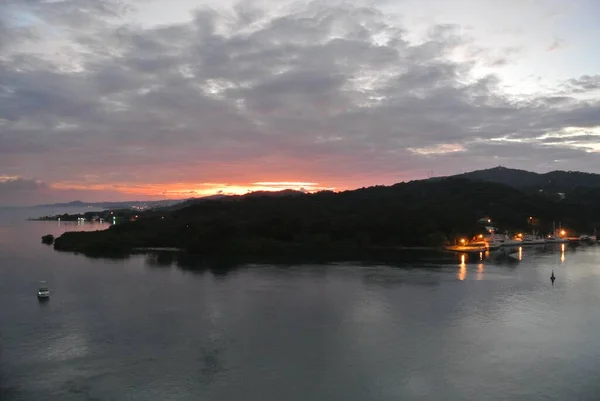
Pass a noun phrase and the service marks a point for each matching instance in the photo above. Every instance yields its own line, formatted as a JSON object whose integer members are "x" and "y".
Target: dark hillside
{"x": 550, "y": 183}
{"x": 418, "y": 213}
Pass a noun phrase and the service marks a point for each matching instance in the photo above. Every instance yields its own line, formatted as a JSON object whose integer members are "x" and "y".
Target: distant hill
{"x": 357, "y": 224}
{"x": 116, "y": 205}
{"x": 172, "y": 204}
{"x": 256, "y": 194}
{"x": 552, "y": 182}
{"x": 275, "y": 194}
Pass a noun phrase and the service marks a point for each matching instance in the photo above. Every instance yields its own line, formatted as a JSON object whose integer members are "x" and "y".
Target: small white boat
{"x": 532, "y": 239}
{"x": 588, "y": 239}
{"x": 43, "y": 291}
{"x": 504, "y": 240}
{"x": 557, "y": 236}
{"x": 551, "y": 239}
{"x": 490, "y": 241}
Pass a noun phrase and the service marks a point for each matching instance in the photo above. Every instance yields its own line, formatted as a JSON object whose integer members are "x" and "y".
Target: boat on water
{"x": 588, "y": 239}
{"x": 486, "y": 244}
{"x": 492, "y": 240}
{"x": 43, "y": 291}
{"x": 531, "y": 239}
{"x": 502, "y": 240}
{"x": 558, "y": 236}
{"x": 552, "y": 239}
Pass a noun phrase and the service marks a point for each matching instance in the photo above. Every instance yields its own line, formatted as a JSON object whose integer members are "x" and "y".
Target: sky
{"x": 120, "y": 100}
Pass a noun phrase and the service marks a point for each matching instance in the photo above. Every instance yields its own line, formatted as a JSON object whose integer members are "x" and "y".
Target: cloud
{"x": 19, "y": 184}
{"x": 322, "y": 92}
{"x": 556, "y": 44}
{"x": 586, "y": 83}
{"x": 438, "y": 149}
{"x": 15, "y": 190}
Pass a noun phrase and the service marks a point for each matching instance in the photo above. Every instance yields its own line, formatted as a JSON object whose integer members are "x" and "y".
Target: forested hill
{"x": 552, "y": 182}
{"x": 418, "y": 213}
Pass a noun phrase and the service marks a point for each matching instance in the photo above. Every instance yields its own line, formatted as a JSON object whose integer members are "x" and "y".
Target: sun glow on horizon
{"x": 181, "y": 190}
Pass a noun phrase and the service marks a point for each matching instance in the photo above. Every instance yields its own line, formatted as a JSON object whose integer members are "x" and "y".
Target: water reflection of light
{"x": 479, "y": 272}
{"x": 462, "y": 269}
{"x": 520, "y": 253}
{"x": 562, "y": 253}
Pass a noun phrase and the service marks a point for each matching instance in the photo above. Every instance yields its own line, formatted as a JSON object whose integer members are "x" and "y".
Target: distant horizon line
{"x": 430, "y": 176}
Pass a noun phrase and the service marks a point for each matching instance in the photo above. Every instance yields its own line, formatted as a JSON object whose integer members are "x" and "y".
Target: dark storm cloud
{"x": 329, "y": 90}
{"x": 29, "y": 192}
{"x": 585, "y": 83}
{"x": 16, "y": 191}
{"x": 19, "y": 184}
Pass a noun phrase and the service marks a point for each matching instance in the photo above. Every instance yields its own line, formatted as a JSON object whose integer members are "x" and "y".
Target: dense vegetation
{"x": 364, "y": 223}
{"x": 550, "y": 183}
{"x": 48, "y": 239}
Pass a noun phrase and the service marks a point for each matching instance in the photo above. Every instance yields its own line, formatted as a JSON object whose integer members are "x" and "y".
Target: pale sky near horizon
{"x": 109, "y": 99}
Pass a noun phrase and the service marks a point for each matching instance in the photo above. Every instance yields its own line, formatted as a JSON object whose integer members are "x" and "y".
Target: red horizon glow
{"x": 99, "y": 188}
{"x": 191, "y": 189}
{"x": 182, "y": 190}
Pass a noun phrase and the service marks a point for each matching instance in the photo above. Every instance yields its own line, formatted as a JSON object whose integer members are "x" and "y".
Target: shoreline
{"x": 224, "y": 257}
{"x": 157, "y": 249}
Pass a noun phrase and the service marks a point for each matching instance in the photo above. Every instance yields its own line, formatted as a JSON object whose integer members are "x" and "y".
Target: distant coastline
{"x": 140, "y": 205}
{"x": 380, "y": 223}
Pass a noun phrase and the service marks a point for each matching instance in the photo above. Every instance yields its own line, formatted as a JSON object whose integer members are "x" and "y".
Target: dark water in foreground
{"x": 129, "y": 330}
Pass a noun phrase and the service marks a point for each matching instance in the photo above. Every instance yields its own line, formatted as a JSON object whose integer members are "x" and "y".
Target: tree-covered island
{"x": 369, "y": 223}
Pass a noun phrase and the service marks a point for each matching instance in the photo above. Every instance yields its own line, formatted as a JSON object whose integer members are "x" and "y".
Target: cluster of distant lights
{"x": 562, "y": 233}
{"x": 463, "y": 241}
{"x": 81, "y": 220}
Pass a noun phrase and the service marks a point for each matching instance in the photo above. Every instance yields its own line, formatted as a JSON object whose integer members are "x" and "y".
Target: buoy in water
{"x": 552, "y": 277}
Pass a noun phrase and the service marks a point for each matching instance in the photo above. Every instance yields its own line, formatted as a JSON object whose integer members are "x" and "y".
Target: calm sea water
{"x": 139, "y": 329}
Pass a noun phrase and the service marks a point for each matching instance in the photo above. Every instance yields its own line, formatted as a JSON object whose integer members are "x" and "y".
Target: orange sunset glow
{"x": 157, "y": 99}
{"x": 182, "y": 190}
{"x": 285, "y": 200}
